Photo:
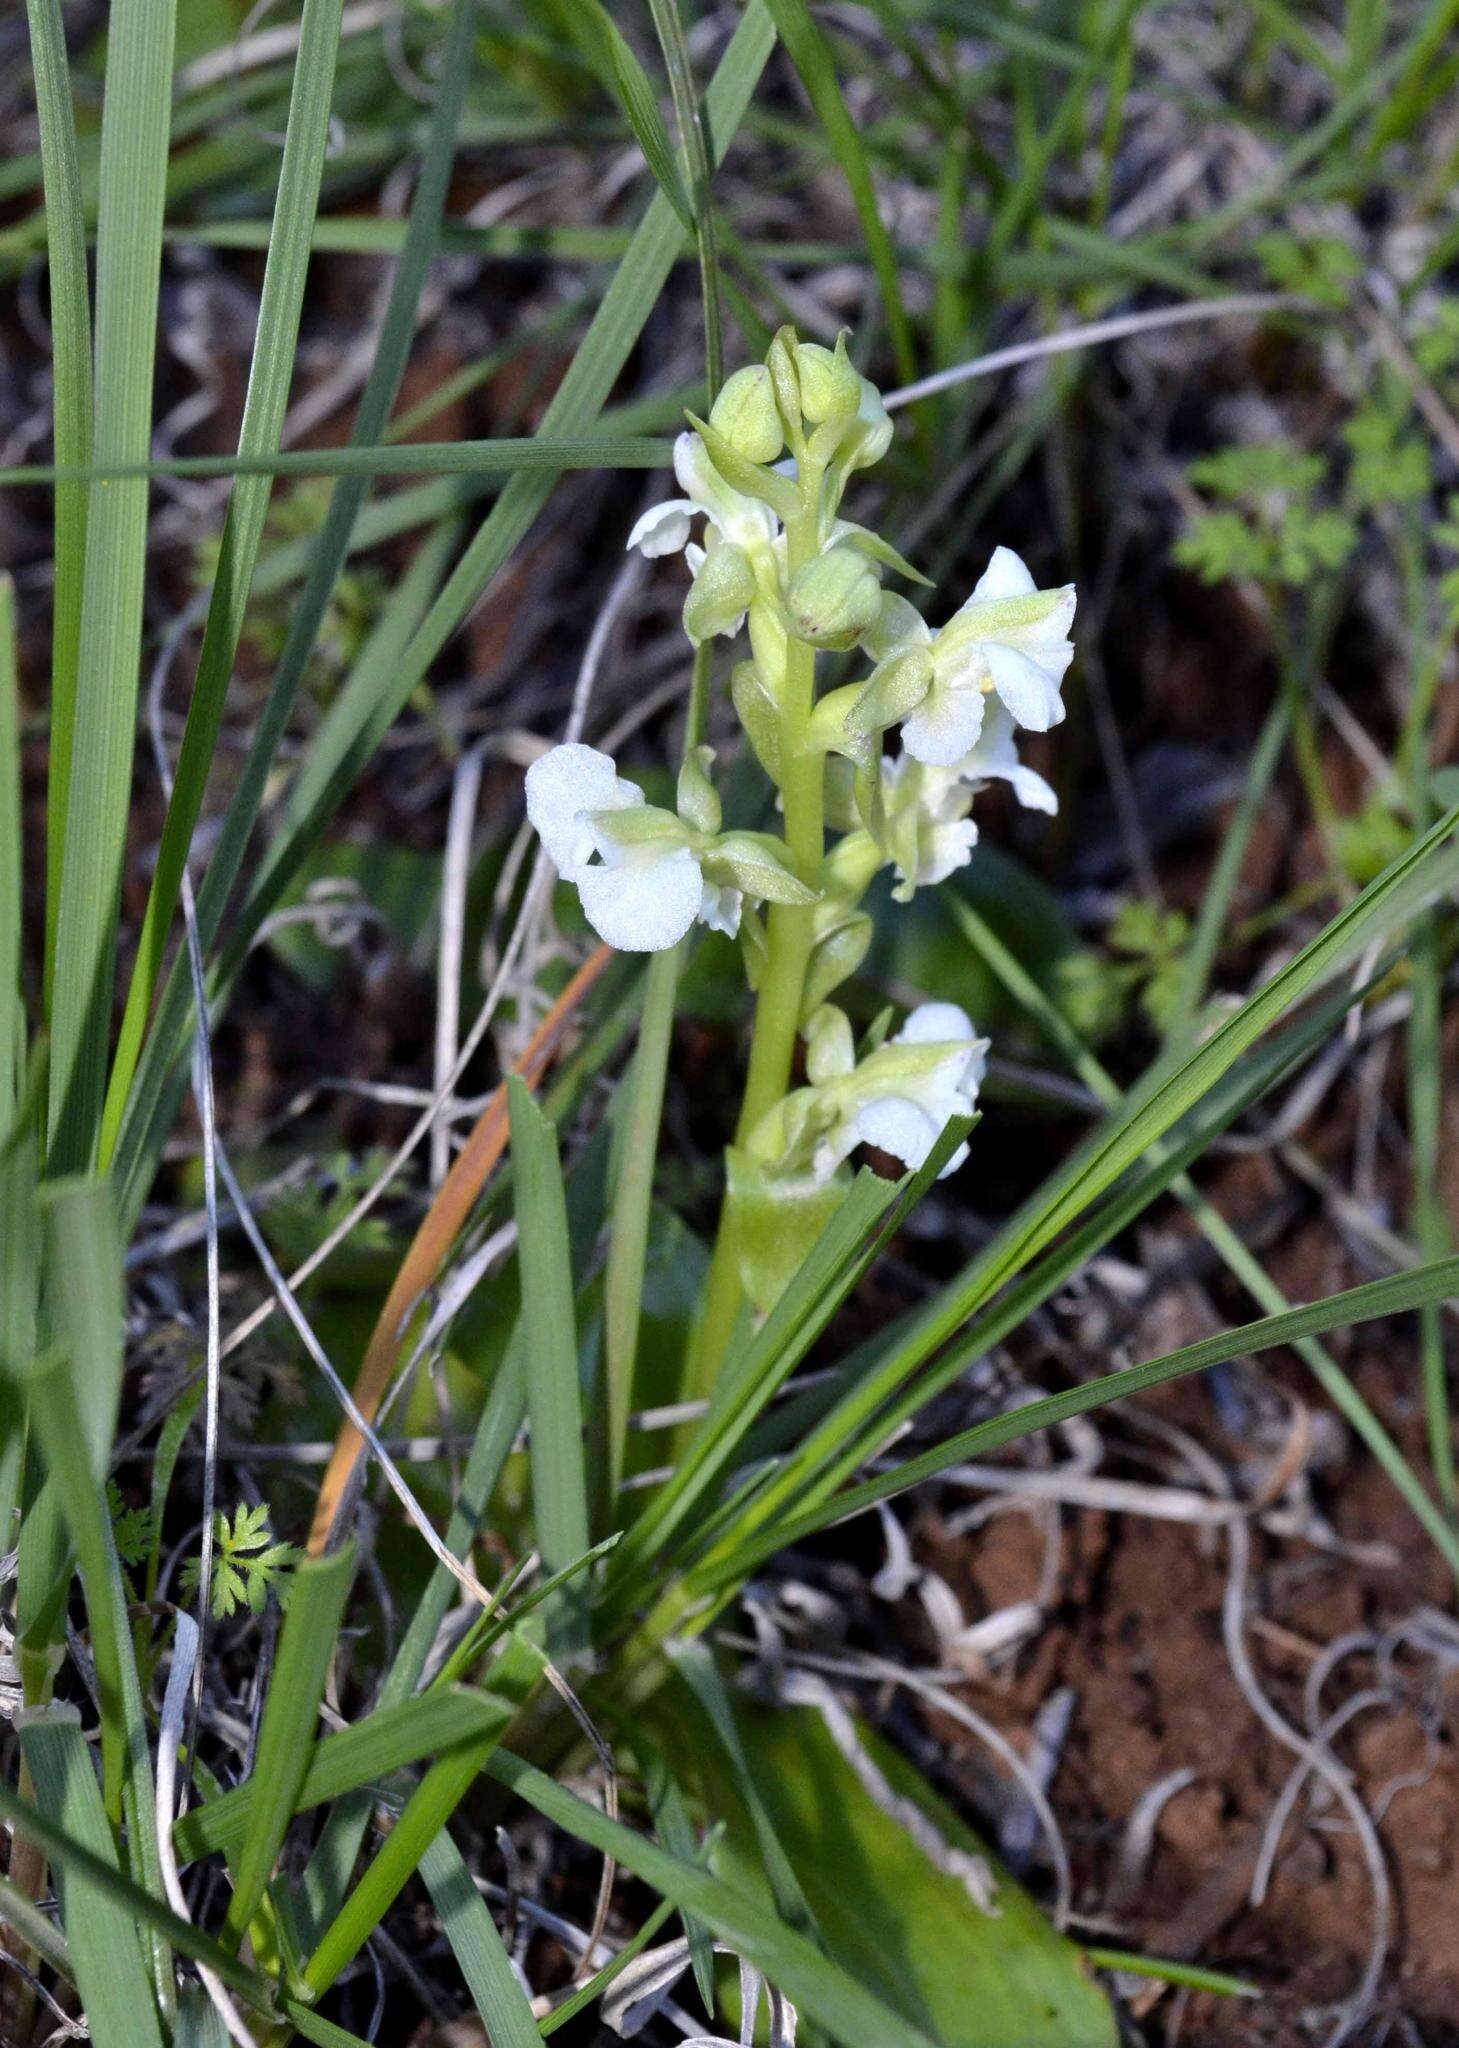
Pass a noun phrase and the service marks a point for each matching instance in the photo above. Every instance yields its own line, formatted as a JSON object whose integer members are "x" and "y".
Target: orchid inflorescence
{"x": 766, "y": 474}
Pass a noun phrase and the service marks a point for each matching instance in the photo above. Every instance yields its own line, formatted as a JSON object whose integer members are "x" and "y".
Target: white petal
{"x": 663, "y": 529}
{"x": 995, "y": 758}
{"x": 562, "y": 785}
{"x": 947, "y": 848}
{"x": 895, "y": 1124}
{"x": 1005, "y": 576}
{"x": 1027, "y": 686}
{"x": 944, "y": 725}
{"x": 720, "y": 907}
{"x": 937, "y": 1024}
{"x": 644, "y": 905}
{"x": 1054, "y": 625}
{"x": 743, "y": 520}
{"x": 1031, "y": 789}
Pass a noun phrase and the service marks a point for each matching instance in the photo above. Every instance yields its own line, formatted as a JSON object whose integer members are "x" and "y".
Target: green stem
{"x": 791, "y": 927}
{"x": 790, "y": 934}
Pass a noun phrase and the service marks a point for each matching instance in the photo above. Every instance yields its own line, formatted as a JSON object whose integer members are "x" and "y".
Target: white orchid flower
{"x": 1010, "y": 640}
{"x": 906, "y": 1104}
{"x": 641, "y": 890}
{"x": 929, "y": 833}
{"x": 899, "y": 1098}
{"x": 665, "y": 529}
{"x": 995, "y": 759}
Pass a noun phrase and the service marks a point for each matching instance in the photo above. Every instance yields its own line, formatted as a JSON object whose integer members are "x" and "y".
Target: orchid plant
{"x": 774, "y": 560}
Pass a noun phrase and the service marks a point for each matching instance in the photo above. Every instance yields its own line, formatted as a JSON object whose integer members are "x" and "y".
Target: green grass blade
{"x": 818, "y": 1988}
{"x": 751, "y": 1376}
{"x": 1165, "y": 1970}
{"x": 327, "y": 1874}
{"x": 35, "y": 1929}
{"x": 624, "y": 79}
{"x": 98, "y": 1871}
{"x": 426, "y": 1812}
{"x": 853, "y": 1239}
{"x": 575, "y": 406}
{"x": 136, "y": 113}
{"x": 364, "y": 1754}
{"x": 422, "y": 232}
{"x": 554, "y": 1389}
{"x": 20, "y": 1255}
{"x": 1172, "y": 1088}
{"x": 687, "y": 113}
{"x": 326, "y": 1877}
{"x": 100, "y": 1934}
{"x": 502, "y": 455}
{"x": 286, "y": 1742}
{"x": 636, "y": 1152}
{"x": 71, "y": 401}
{"x": 615, "y": 328}
{"x": 809, "y": 52}
{"x": 73, "y": 1399}
{"x": 324, "y": 2033}
{"x": 598, "y": 1983}
{"x": 1395, "y": 1294}
{"x": 1220, "y": 1234}
{"x": 1211, "y": 921}
{"x": 271, "y": 374}
{"x": 12, "y": 1008}
{"x": 85, "y": 1302}
{"x": 695, "y": 1667}
{"x": 496, "y": 1990}
{"x": 337, "y": 751}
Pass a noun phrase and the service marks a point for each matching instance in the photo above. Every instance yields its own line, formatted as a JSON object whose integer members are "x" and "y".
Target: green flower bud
{"x": 746, "y": 414}
{"x": 871, "y": 436}
{"x": 834, "y": 599}
{"x": 830, "y": 388}
{"x": 720, "y": 594}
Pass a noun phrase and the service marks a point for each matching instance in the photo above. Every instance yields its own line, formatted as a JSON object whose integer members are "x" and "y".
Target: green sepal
{"x": 758, "y": 714}
{"x": 720, "y": 594}
{"x": 837, "y": 953}
{"x": 755, "y": 862}
{"x": 781, "y": 362}
{"x": 747, "y": 477}
{"x": 753, "y": 945}
{"x": 896, "y": 686}
{"x": 831, "y": 732}
{"x": 829, "y": 1052}
{"x": 641, "y": 825}
{"x": 868, "y": 543}
{"x": 697, "y": 800}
